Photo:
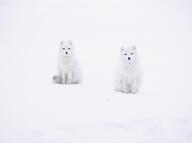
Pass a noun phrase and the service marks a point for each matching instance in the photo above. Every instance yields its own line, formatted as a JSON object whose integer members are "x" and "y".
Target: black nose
{"x": 66, "y": 53}
{"x": 129, "y": 58}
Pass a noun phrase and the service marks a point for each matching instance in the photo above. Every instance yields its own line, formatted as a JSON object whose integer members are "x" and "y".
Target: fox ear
{"x": 62, "y": 42}
{"x": 70, "y": 42}
{"x": 134, "y": 47}
{"x": 122, "y": 49}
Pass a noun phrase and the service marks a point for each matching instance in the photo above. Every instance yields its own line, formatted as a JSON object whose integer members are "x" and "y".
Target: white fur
{"x": 128, "y": 76}
{"x": 68, "y": 68}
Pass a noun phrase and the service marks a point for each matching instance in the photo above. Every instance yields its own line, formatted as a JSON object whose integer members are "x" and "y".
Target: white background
{"x": 34, "y": 110}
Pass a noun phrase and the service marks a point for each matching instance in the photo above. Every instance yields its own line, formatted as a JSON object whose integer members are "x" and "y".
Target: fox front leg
{"x": 134, "y": 86}
{"x": 125, "y": 86}
{"x": 69, "y": 78}
{"x": 63, "y": 78}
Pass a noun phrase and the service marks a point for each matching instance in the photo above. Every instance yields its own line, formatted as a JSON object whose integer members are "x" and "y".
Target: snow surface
{"x": 33, "y": 110}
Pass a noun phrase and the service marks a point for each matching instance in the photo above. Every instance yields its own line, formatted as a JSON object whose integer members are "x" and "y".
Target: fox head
{"x": 129, "y": 54}
{"x": 66, "y": 48}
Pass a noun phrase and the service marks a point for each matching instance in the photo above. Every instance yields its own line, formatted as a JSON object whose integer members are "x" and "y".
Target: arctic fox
{"x": 128, "y": 76}
{"x": 68, "y": 68}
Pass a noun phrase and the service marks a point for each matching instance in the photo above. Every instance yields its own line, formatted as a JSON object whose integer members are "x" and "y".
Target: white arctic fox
{"x": 128, "y": 76}
{"x": 68, "y": 68}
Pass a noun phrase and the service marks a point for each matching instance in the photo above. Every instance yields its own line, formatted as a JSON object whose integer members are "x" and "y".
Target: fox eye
{"x": 69, "y": 48}
{"x": 131, "y": 53}
{"x": 125, "y": 54}
{"x": 63, "y": 48}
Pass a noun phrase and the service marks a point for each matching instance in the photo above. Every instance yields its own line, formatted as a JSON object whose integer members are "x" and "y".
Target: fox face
{"x": 66, "y": 48}
{"x": 129, "y": 54}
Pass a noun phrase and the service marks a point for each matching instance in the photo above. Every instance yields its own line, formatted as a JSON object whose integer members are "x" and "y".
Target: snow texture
{"x": 34, "y": 110}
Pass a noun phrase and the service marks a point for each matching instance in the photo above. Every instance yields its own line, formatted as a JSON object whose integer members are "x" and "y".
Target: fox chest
{"x": 128, "y": 74}
{"x": 65, "y": 68}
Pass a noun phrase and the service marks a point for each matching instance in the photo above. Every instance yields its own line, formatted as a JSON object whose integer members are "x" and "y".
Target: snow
{"x": 34, "y": 110}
